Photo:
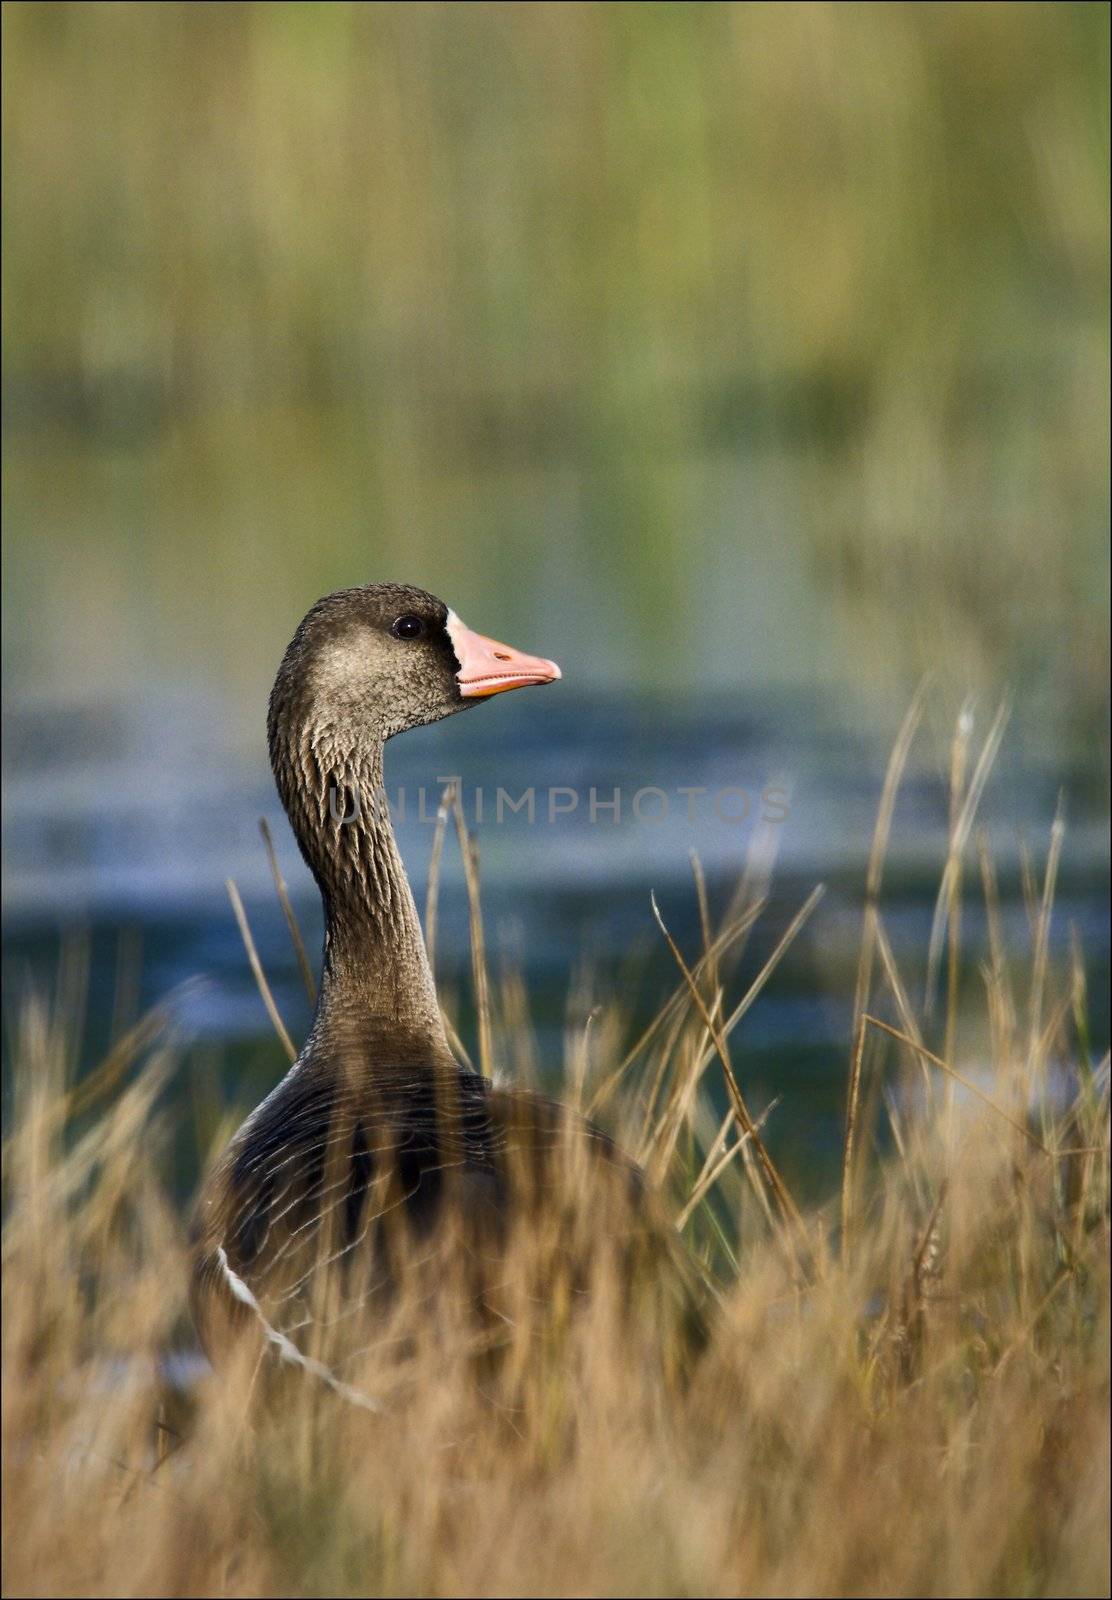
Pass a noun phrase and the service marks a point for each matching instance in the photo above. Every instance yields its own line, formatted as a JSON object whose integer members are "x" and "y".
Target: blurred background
{"x": 749, "y": 359}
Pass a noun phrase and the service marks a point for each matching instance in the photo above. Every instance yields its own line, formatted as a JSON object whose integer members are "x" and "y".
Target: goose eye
{"x": 408, "y": 628}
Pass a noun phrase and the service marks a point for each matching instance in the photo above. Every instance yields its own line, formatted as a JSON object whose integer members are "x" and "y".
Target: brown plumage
{"x": 376, "y": 1149}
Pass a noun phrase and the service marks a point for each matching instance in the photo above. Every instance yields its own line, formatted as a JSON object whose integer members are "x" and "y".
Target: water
{"x": 122, "y": 822}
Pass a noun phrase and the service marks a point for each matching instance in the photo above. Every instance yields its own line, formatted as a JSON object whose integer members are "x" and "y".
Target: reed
{"x": 919, "y": 1407}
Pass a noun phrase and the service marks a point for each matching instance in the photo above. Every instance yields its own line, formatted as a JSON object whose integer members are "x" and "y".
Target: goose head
{"x": 379, "y": 659}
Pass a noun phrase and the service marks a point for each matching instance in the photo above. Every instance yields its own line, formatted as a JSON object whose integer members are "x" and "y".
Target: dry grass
{"x": 916, "y": 1404}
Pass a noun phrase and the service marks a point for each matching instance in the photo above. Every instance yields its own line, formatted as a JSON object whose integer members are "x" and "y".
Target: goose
{"x": 376, "y": 1120}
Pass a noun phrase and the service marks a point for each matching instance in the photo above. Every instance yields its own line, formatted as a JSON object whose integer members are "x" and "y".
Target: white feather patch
{"x": 286, "y": 1348}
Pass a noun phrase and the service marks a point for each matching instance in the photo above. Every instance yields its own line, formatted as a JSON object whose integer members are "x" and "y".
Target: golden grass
{"x": 916, "y": 1403}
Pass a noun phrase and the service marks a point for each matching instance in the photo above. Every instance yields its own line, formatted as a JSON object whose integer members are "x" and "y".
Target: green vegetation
{"x": 707, "y": 347}
{"x": 754, "y": 319}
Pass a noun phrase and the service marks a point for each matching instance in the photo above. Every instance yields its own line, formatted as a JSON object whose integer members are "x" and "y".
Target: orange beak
{"x": 487, "y": 667}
